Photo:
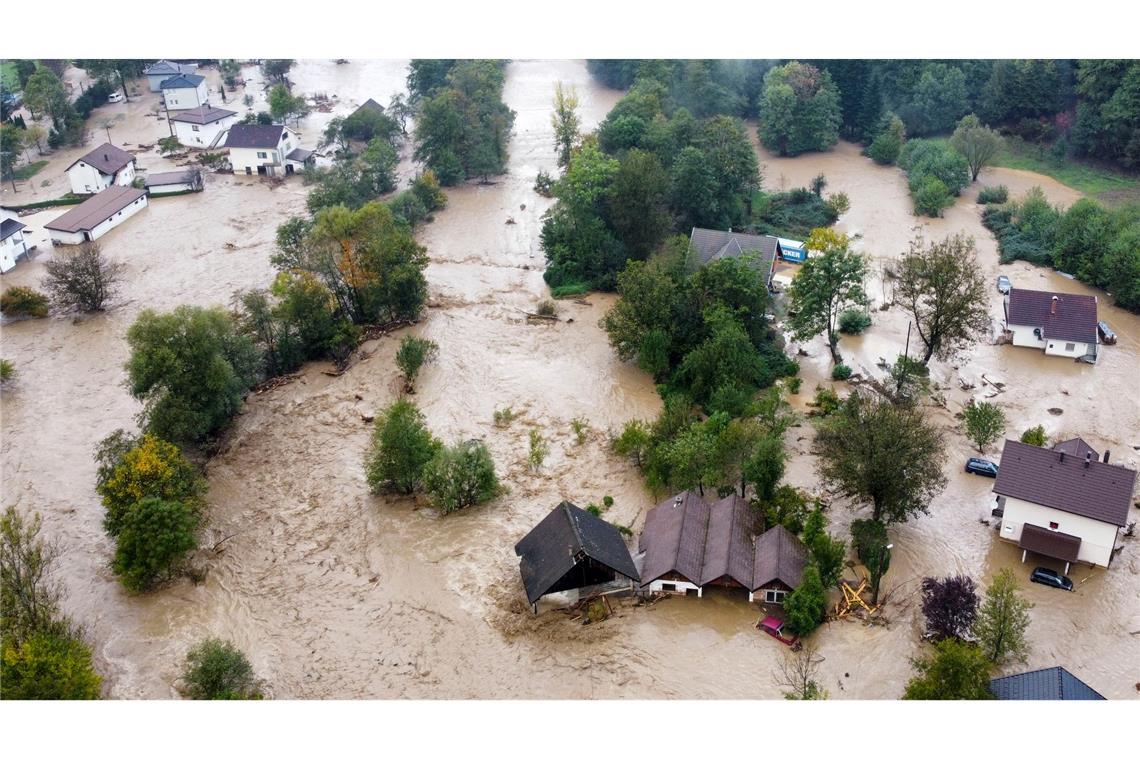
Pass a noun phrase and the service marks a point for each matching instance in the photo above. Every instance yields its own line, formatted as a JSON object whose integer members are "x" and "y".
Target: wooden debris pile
{"x": 852, "y": 603}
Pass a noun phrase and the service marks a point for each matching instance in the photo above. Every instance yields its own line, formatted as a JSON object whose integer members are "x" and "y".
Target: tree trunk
{"x": 833, "y": 345}
{"x": 929, "y": 353}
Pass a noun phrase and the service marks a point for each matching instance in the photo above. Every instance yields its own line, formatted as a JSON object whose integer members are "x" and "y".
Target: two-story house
{"x": 12, "y": 245}
{"x": 1063, "y": 324}
{"x": 101, "y": 168}
{"x": 185, "y": 91}
{"x": 202, "y": 127}
{"x": 268, "y": 149}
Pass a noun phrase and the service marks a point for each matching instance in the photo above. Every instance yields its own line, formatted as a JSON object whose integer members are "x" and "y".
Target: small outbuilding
{"x": 101, "y": 168}
{"x": 1049, "y": 683}
{"x": 571, "y": 549}
{"x": 202, "y": 127}
{"x": 187, "y": 180}
{"x": 97, "y": 215}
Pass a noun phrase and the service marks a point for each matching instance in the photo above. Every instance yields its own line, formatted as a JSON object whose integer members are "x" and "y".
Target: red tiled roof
{"x": 1074, "y": 318}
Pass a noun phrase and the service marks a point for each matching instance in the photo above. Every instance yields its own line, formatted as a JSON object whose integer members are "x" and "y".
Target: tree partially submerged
{"x": 217, "y": 669}
{"x": 565, "y": 121}
{"x": 977, "y": 142}
{"x": 401, "y": 448}
{"x": 955, "y": 670}
{"x": 828, "y": 282}
{"x": 985, "y": 422}
{"x": 797, "y": 673}
{"x": 461, "y": 476}
{"x": 950, "y": 606}
{"x": 1002, "y": 621}
{"x": 411, "y": 355}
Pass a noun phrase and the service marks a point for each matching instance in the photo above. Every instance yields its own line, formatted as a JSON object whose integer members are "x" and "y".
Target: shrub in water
{"x": 854, "y": 321}
{"x": 840, "y": 372}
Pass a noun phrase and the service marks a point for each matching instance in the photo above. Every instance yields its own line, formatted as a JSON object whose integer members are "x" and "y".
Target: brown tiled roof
{"x": 1054, "y": 479}
{"x": 106, "y": 158}
{"x": 1051, "y": 543}
{"x": 1076, "y": 447}
{"x": 202, "y": 115}
{"x": 779, "y": 556}
{"x": 1075, "y": 317}
{"x": 728, "y": 542}
{"x": 95, "y": 210}
{"x": 673, "y": 538}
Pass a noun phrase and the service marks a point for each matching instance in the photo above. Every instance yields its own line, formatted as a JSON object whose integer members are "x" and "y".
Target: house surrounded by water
{"x": 1065, "y": 503}
{"x": 1063, "y": 324}
{"x": 101, "y": 168}
{"x": 97, "y": 215}
{"x": 159, "y": 71}
{"x": 202, "y": 127}
{"x": 268, "y": 149}
{"x": 12, "y": 244}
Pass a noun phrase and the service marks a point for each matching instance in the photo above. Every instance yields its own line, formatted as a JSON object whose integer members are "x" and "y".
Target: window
{"x": 668, "y": 586}
{"x": 261, "y": 154}
{"x": 1070, "y": 346}
{"x": 194, "y": 128}
{"x": 773, "y": 596}
{"x": 1054, "y": 526}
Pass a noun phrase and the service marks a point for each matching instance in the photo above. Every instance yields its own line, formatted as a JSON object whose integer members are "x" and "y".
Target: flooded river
{"x": 335, "y": 593}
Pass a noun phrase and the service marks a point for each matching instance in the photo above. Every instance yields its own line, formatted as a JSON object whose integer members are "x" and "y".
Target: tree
{"x": 190, "y": 368}
{"x": 797, "y": 672}
{"x": 977, "y": 142}
{"x": 230, "y": 71}
{"x": 277, "y": 69}
{"x": 638, "y": 203}
{"x": 634, "y": 441}
{"x": 950, "y": 606}
{"x": 1002, "y": 621}
{"x": 461, "y": 476}
{"x": 154, "y": 538}
{"x": 766, "y": 467}
{"x": 943, "y": 289}
{"x": 888, "y": 144}
{"x": 19, "y": 301}
{"x": 44, "y": 94}
{"x": 884, "y": 453}
{"x": 114, "y": 68}
{"x": 565, "y": 121}
{"x": 29, "y": 597}
{"x": 805, "y": 607}
{"x": 827, "y": 553}
{"x": 48, "y": 666}
{"x": 401, "y": 448}
{"x": 985, "y": 422}
{"x": 131, "y": 470}
{"x": 411, "y": 355}
{"x": 82, "y": 278}
{"x": 829, "y": 281}
{"x": 1035, "y": 436}
{"x": 282, "y": 104}
{"x": 955, "y": 670}
{"x": 799, "y": 109}
{"x": 217, "y": 669}
{"x": 694, "y": 190}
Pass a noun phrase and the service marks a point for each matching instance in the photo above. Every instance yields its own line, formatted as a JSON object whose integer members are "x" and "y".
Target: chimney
{"x": 1088, "y": 458}
{"x": 1062, "y": 460}
{"x": 1053, "y": 305}
{"x": 106, "y": 157}
{"x": 1106, "y": 456}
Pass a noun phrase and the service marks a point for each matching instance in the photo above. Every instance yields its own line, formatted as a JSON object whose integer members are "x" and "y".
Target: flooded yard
{"x": 335, "y": 593}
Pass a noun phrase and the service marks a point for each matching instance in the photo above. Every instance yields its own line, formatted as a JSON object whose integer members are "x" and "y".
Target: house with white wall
{"x": 185, "y": 91}
{"x": 1064, "y": 503}
{"x": 268, "y": 149}
{"x": 1063, "y": 324}
{"x": 159, "y": 71}
{"x": 12, "y": 244}
{"x": 101, "y": 168}
{"x": 97, "y": 215}
{"x": 203, "y": 126}
{"x": 186, "y": 180}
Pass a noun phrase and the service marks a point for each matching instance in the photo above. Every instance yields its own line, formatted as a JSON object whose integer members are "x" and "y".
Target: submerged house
{"x": 101, "y": 168}
{"x": 12, "y": 244}
{"x": 1063, "y": 324}
{"x": 689, "y": 544}
{"x": 1050, "y": 683}
{"x": 202, "y": 127}
{"x": 185, "y": 91}
{"x": 571, "y": 549}
{"x": 188, "y": 180}
{"x": 707, "y": 246}
{"x": 268, "y": 149}
{"x": 1063, "y": 503}
{"x": 159, "y": 71}
{"x": 97, "y": 215}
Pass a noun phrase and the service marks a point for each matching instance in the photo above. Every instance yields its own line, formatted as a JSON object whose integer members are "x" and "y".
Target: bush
{"x": 411, "y": 355}
{"x": 794, "y": 384}
{"x": 546, "y": 308}
{"x": 504, "y": 417}
{"x": 538, "y": 450}
{"x": 805, "y": 607}
{"x": 48, "y": 666}
{"x": 634, "y": 441}
{"x": 854, "y": 321}
{"x": 1035, "y": 436}
{"x": 544, "y": 184}
{"x": 7, "y": 371}
{"x": 154, "y": 538}
{"x": 570, "y": 289}
{"x": 840, "y": 372}
{"x": 169, "y": 145}
{"x": 401, "y": 448}
{"x": 580, "y": 427}
{"x": 82, "y": 278}
{"x": 993, "y": 194}
{"x": 216, "y": 669}
{"x": 131, "y": 470}
{"x": 460, "y": 476}
{"x": 826, "y": 401}
{"x": 932, "y": 197}
{"x": 18, "y": 301}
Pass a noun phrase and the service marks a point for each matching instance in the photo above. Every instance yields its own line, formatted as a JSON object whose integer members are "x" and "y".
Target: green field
{"x": 29, "y": 170}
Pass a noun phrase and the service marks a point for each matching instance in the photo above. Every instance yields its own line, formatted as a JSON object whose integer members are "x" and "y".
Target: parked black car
{"x": 1003, "y": 284}
{"x": 1107, "y": 336}
{"x": 1047, "y": 577}
{"x": 981, "y": 467}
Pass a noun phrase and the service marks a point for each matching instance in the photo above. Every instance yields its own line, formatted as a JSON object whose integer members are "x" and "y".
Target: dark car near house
{"x": 1003, "y": 285}
{"x": 1107, "y": 336}
{"x": 981, "y": 467}
{"x": 1047, "y": 577}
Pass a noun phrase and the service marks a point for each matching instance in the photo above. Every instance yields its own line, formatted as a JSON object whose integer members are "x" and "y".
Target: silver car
{"x": 1003, "y": 285}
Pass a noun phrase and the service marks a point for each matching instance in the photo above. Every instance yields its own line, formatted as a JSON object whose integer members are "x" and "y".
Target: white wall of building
{"x": 676, "y": 587}
{"x": 178, "y": 187}
{"x": 243, "y": 159}
{"x": 201, "y": 135}
{"x": 11, "y": 249}
{"x": 185, "y": 97}
{"x": 1023, "y": 336}
{"x": 1097, "y": 538}
{"x": 75, "y": 238}
{"x": 87, "y": 180}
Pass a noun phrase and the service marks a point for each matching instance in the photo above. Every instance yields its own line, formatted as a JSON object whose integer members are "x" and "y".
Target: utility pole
{"x": 905, "y": 368}
{"x": 884, "y": 553}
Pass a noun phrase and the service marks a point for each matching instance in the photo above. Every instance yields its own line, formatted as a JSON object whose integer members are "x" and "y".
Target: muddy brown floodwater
{"x": 335, "y": 593}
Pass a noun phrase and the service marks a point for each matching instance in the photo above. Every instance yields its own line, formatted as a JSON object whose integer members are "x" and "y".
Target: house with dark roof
{"x": 185, "y": 180}
{"x": 707, "y": 246}
{"x": 12, "y": 245}
{"x": 688, "y": 544}
{"x": 572, "y": 549}
{"x": 202, "y": 127}
{"x": 267, "y": 149}
{"x": 1050, "y": 683}
{"x": 101, "y": 168}
{"x": 1063, "y": 324}
{"x": 97, "y": 215}
{"x": 159, "y": 71}
{"x": 182, "y": 92}
{"x": 1065, "y": 503}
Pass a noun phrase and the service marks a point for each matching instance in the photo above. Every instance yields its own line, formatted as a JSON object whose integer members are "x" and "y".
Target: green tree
{"x": 20, "y": 301}
{"x": 29, "y": 597}
{"x": 694, "y": 190}
{"x": 565, "y": 121}
{"x": 401, "y": 448}
{"x": 1002, "y": 621}
{"x": 805, "y": 607}
{"x": 828, "y": 282}
{"x": 942, "y": 288}
{"x": 985, "y": 422}
{"x": 937, "y": 100}
{"x": 412, "y": 355}
{"x": 7, "y": 371}
{"x": 977, "y": 142}
{"x": 827, "y": 553}
{"x": 48, "y": 666}
{"x": 153, "y": 541}
{"x": 461, "y": 476}
{"x": 638, "y": 203}
{"x": 283, "y": 104}
{"x": 1035, "y": 436}
{"x": 799, "y": 109}
{"x": 955, "y": 670}
{"x": 190, "y": 368}
{"x": 883, "y": 453}
{"x": 44, "y": 94}
{"x": 131, "y": 470}
{"x": 277, "y": 69}
{"x": 888, "y": 143}
{"x": 765, "y": 467}
{"x": 121, "y": 69}
{"x": 634, "y": 441}
{"x": 217, "y": 669}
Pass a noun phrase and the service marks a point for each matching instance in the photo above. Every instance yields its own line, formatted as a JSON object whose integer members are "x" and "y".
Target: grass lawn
{"x": 11, "y": 81}
{"x": 28, "y": 171}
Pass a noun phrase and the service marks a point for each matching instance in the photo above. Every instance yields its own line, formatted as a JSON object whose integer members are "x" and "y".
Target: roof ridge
{"x": 573, "y": 518}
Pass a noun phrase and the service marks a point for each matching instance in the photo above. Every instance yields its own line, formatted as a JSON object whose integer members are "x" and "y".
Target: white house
{"x": 185, "y": 91}
{"x": 101, "y": 168}
{"x": 269, "y": 149}
{"x": 187, "y": 180}
{"x": 202, "y": 127}
{"x": 159, "y": 71}
{"x": 12, "y": 244}
{"x": 1063, "y": 502}
{"x": 1063, "y": 324}
{"x": 97, "y": 215}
